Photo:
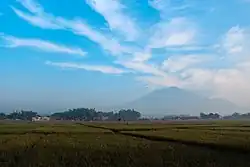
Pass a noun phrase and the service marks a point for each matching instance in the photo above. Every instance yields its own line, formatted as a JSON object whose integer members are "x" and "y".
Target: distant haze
{"x": 160, "y": 102}
{"x": 171, "y": 101}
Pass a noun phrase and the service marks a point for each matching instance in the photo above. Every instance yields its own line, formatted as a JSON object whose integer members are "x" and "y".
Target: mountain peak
{"x": 174, "y": 100}
{"x": 167, "y": 89}
{"x": 173, "y": 88}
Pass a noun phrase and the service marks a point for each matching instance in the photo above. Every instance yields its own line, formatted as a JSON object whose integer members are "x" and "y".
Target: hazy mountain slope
{"x": 178, "y": 101}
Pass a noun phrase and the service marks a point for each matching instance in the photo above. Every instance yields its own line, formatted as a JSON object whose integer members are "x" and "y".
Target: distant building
{"x": 39, "y": 118}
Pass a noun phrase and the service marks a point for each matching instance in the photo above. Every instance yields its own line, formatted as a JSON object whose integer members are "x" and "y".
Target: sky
{"x": 106, "y": 52}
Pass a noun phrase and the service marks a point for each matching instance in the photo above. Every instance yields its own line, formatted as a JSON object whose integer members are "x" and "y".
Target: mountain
{"x": 176, "y": 101}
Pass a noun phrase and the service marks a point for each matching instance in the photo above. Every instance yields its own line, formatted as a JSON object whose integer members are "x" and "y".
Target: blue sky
{"x": 106, "y": 52}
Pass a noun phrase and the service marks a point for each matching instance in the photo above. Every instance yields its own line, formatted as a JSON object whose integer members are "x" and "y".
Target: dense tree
{"x": 2, "y": 116}
{"x": 88, "y": 114}
{"x": 210, "y": 116}
{"x": 238, "y": 116}
{"x": 76, "y": 114}
{"x": 129, "y": 115}
{"x": 22, "y": 115}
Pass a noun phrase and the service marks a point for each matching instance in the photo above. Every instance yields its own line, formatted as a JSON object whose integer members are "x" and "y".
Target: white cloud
{"x": 40, "y": 21}
{"x": 197, "y": 78}
{"x": 158, "y": 4}
{"x": 78, "y": 27}
{"x": 189, "y": 48}
{"x": 138, "y": 62}
{"x": 180, "y": 38}
{"x": 178, "y": 63}
{"x": 173, "y": 31}
{"x": 142, "y": 67}
{"x": 160, "y": 81}
{"x": 38, "y": 17}
{"x": 245, "y": 66}
{"x": 231, "y": 82}
{"x": 234, "y": 45}
{"x": 169, "y": 7}
{"x": 176, "y": 32}
{"x": 234, "y": 40}
{"x": 98, "y": 68}
{"x": 112, "y": 11}
{"x": 32, "y": 6}
{"x": 142, "y": 56}
{"x": 13, "y": 42}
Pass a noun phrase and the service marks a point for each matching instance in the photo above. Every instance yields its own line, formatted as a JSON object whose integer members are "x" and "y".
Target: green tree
{"x": 129, "y": 114}
{"x": 89, "y": 114}
{"x": 22, "y": 115}
{"x": 2, "y": 116}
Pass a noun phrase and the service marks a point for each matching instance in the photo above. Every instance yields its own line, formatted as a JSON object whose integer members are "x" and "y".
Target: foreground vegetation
{"x": 120, "y": 144}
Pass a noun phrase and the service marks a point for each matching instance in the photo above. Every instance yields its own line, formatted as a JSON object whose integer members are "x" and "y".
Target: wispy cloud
{"x": 44, "y": 20}
{"x": 170, "y": 8}
{"x": 191, "y": 48}
{"x": 141, "y": 67}
{"x": 38, "y": 17}
{"x": 98, "y": 68}
{"x": 174, "y": 33}
{"x": 162, "y": 4}
{"x": 39, "y": 21}
{"x": 231, "y": 81}
{"x": 234, "y": 40}
{"x": 179, "y": 63}
{"x": 161, "y": 81}
{"x": 175, "y": 30}
{"x": 32, "y": 6}
{"x": 13, "y": 42}
{"x": 78, "y": 27}
{"x": 142, "y": 56}
{"x": 234, "y": 45}
{"x": 113, "y": 12}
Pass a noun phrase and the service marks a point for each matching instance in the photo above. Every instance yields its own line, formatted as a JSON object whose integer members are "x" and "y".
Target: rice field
{"x": 133, "y": 144}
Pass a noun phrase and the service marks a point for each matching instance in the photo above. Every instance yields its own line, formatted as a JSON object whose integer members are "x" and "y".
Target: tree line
{"x": 210, "y": 116}
{"x": 82, "y": 114}
{"x": 18, "y": 115}
{"x": 89, "y": 114}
